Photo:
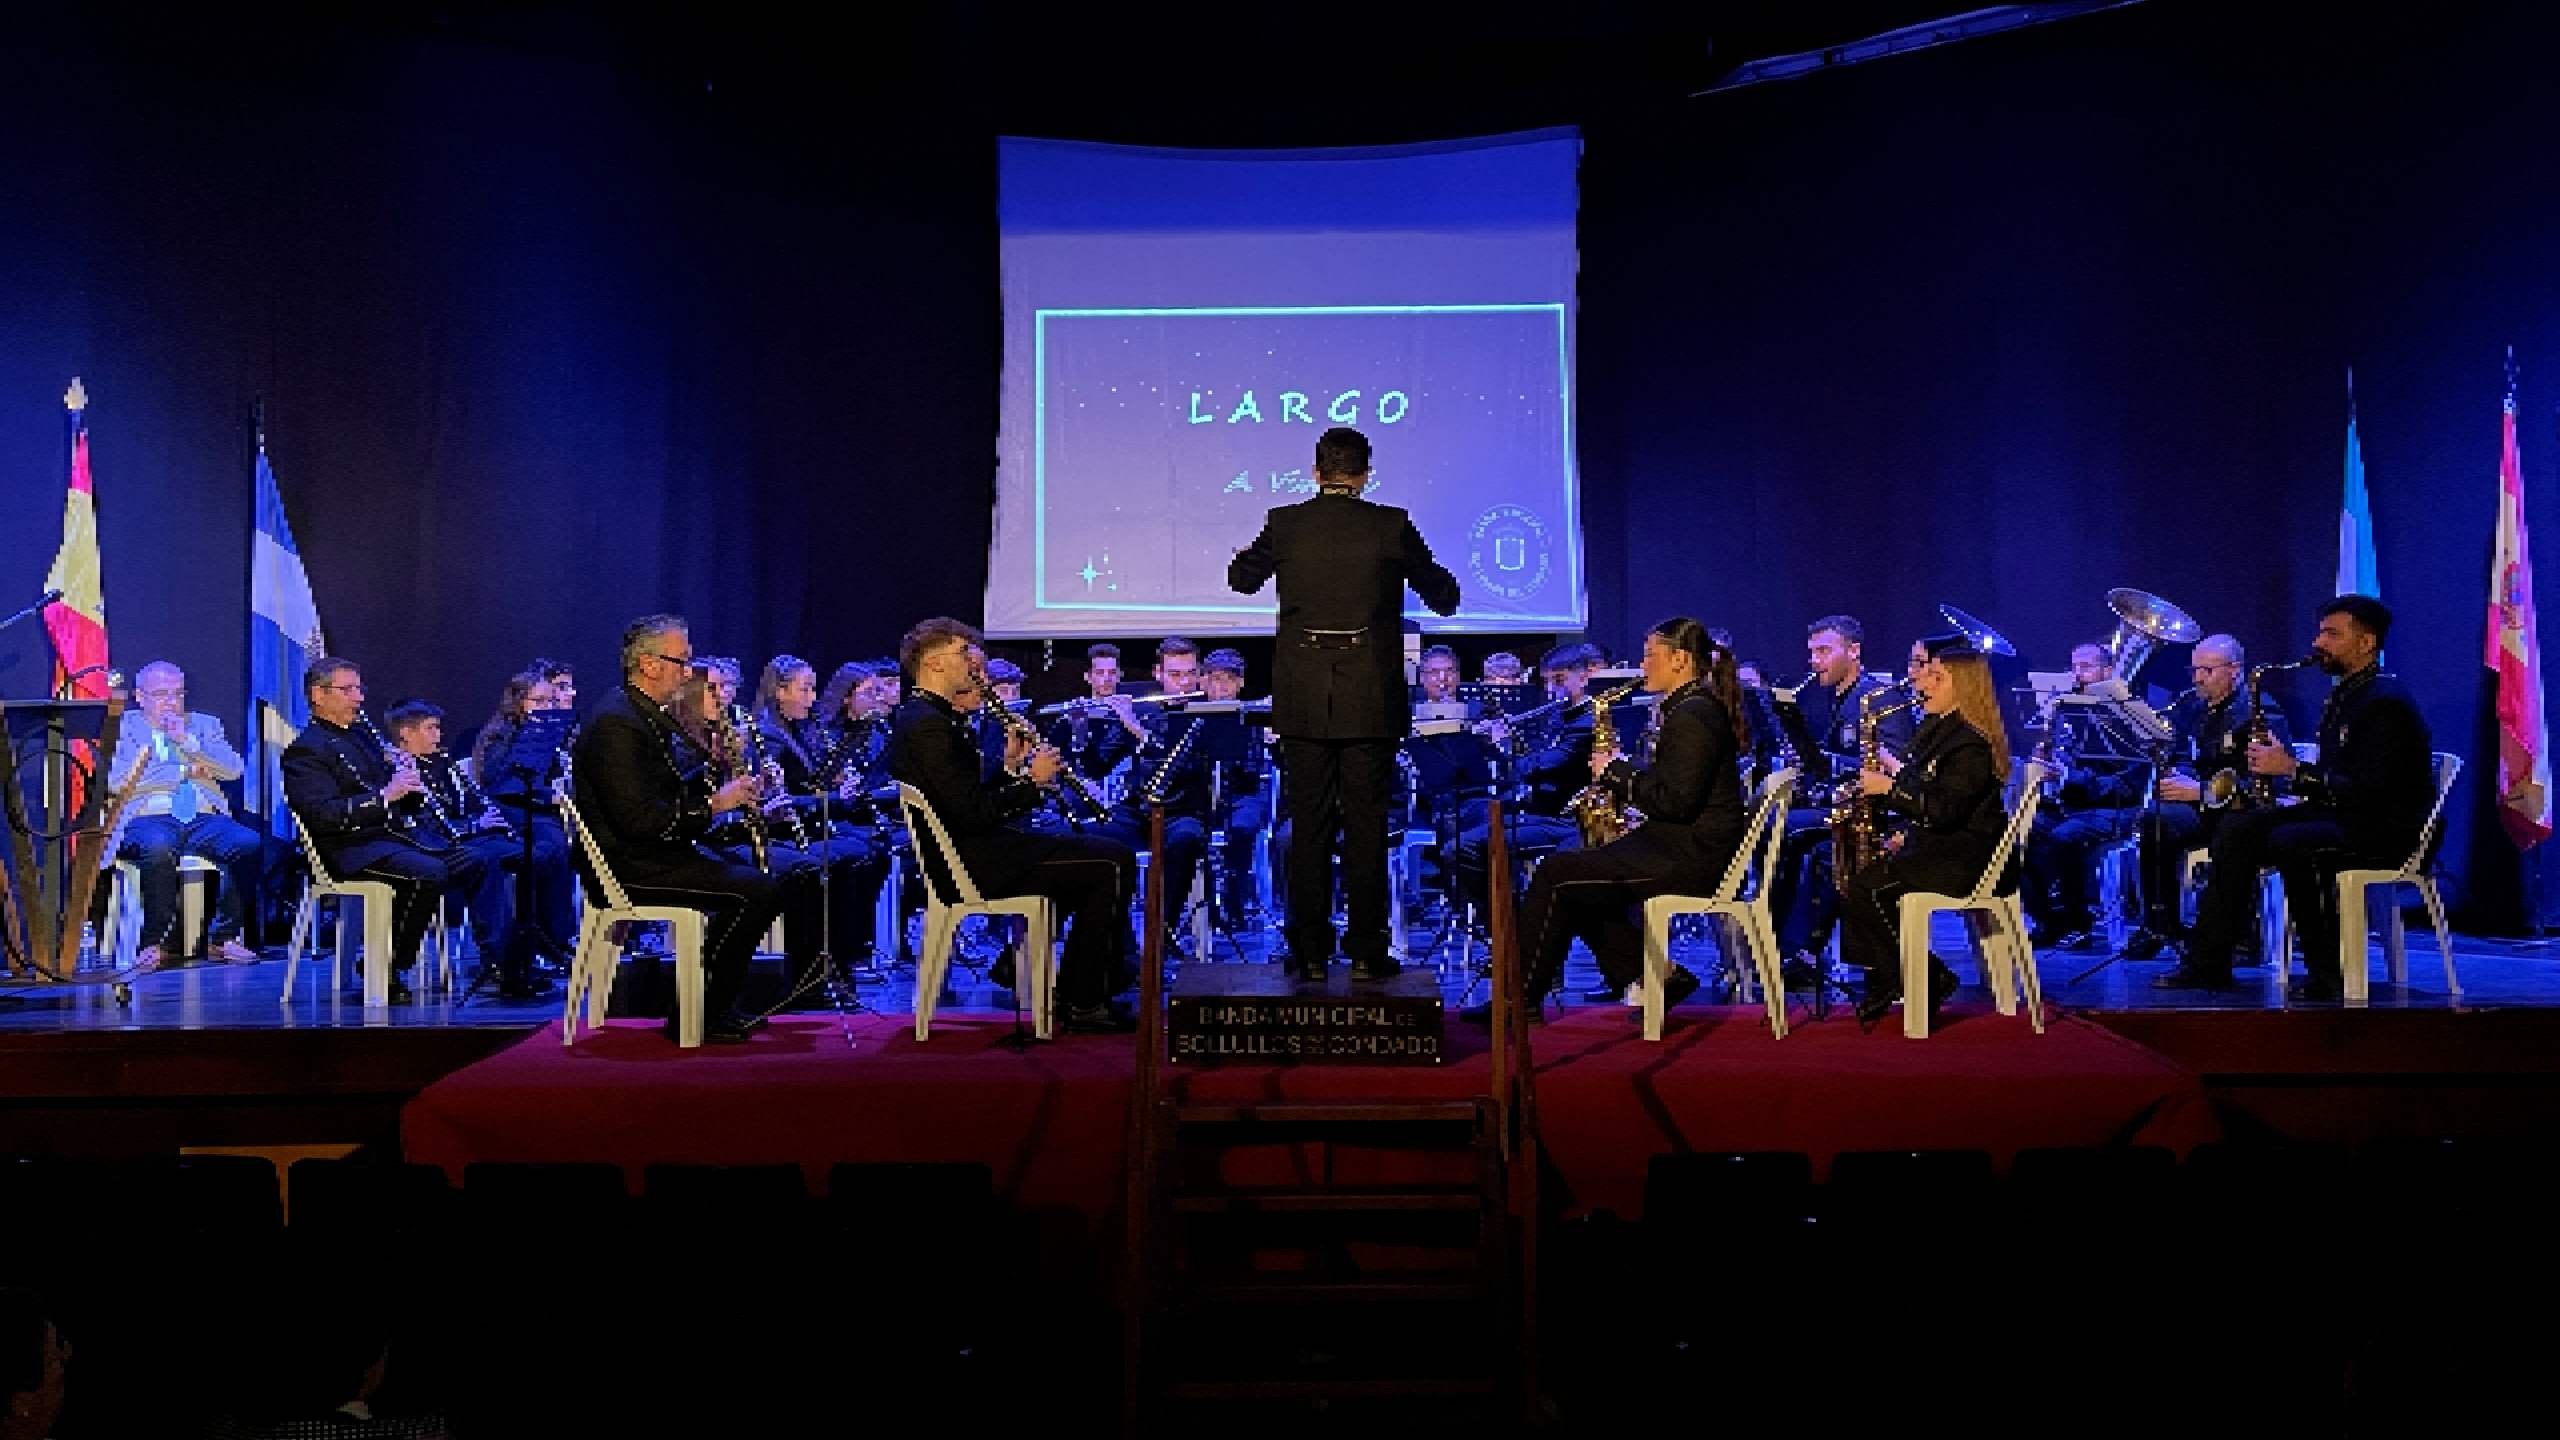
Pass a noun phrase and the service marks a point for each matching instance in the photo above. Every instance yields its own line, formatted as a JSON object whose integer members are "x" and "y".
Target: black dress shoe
{"x": 2191, "y": 976}
{"x": 1876, "y": 1001}
{"x": 2317, "y": 989}
{"x": 1384, "y": 967}
{"x": 2145, "y": 945}
{"x": 400, "y": 992}
{"x": 1679, "y": 985}
{"x": 2080, "y": 940}
{"x": 1603, "y": 994}
{"x": 1104, "y": 1019}
{"x": 724, "y": 1034}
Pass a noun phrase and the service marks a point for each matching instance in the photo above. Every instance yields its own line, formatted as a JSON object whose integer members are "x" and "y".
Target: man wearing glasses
{"x": 648, "y": 814}
{"x": 2208, "y": 735}
{"x": 363, "y": 816}
{"x": 177, "y": 809}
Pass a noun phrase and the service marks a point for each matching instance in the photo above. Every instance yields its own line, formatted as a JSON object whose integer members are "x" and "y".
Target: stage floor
{"x": 2494, "y": 974}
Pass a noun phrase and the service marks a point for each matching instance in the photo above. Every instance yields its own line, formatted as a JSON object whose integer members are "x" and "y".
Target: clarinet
{"x": 402, "y": 761}
{"x": 729, "y": 752}
{"x": 1073, "y": 781}
{"x": 752, "y": 735}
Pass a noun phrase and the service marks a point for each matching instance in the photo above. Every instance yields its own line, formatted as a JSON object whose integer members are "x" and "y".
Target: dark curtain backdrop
{"x": 552, "y": 332}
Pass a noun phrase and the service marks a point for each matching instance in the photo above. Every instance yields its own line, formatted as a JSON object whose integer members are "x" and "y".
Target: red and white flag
{"x": 2515, "y": 652}
{"x": 78, "y": 621}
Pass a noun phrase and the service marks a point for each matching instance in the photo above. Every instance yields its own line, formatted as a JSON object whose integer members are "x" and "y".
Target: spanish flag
{"x": 78, "y": 621}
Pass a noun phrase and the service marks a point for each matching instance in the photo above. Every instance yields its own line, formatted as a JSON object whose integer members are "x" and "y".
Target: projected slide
{"x": 1171, "y": 360}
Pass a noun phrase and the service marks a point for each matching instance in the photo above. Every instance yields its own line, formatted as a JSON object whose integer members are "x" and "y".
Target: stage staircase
{"x": 1331, "y": 1259}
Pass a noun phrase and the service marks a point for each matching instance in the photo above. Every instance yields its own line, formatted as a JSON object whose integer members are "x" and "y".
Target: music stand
{"x": 2127, "y": 730}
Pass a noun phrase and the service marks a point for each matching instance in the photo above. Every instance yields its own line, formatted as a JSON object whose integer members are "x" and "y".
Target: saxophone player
{"x": 1091, "y": 878}
{"x": 855, "y": 856}
{"x": 1691, "y": 796}
{"x": 1803, "y": 894}
{"x": 1947, "y": 792}
{"x": 2364, "y": 802}
{"x": 2208, "y": 738}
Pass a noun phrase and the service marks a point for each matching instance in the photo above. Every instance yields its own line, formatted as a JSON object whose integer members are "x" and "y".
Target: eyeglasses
{"x": 164, "y": 694}
{"x": 2209, "y": 669}
{"x": 684, "y": 659}
{"x": 356, "y": 688}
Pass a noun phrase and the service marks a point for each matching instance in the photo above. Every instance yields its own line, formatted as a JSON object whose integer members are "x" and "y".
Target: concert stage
{"x": 1050, "y": 1122}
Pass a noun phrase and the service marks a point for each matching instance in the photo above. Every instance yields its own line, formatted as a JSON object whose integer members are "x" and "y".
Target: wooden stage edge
{"x": 2308, "y": 1075}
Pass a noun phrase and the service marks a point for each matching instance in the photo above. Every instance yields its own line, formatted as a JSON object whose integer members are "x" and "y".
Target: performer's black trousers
{"x": 2307, "y": 847}
{"x": 738, "y": 903}
{"x": 1339, "y": 792}
{"x": 419, "y": 882}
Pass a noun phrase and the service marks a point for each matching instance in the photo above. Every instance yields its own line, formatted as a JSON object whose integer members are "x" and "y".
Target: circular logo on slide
{"x": 1509, "y": 551}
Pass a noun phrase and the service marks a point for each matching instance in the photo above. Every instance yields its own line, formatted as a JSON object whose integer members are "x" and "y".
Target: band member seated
{"x": 1803, "y": 895}
{"x": 645, "y": 800}
{"x": 516, "y": 768}
{"x": 2362, "y": 804}
{"x": 176, "y": 808}
{"x": 1091, "y": 877}
{"x": 1504, "y": 668}
{"x": 1084, "y": 732}
{"x": 367, "y": 817}
{"x": 814, "y": 823}
{"x": 1436, "y": 677}
{"x": 561, "y": 677}
{"x": 1554, "y": 763}
{"x": 1243, "y": 809}
{"x": 1944, "y": 795}
{"x": 1004, "y": 680}
{"x": 454, "y": 807}
{"x": 856, "y": 710}
{"x": 1163, "y": 764}
{"x": 2208, "y": 738}
{"x": 2092, "y": 803}
{"x": 1691, "y": 797}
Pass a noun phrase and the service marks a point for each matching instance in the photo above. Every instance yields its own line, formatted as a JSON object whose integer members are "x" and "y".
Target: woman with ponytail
{"x": 1691, "y": 798}
{"x": 1946, "y": 791}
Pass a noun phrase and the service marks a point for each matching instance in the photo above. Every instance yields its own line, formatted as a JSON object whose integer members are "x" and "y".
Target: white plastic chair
{"x": 1036, "y": 964}
{"x": 1748, "y": 922}
{"x": 591, "y": 970}
{"x": 121, "y": 940}
{"x": 2353, "y": 956}
{"x": 375, "y": 898}
{"x": 1998, "y": 924}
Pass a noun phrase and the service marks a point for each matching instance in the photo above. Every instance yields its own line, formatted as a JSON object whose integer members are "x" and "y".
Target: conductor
{"x": 1338, "y": 691}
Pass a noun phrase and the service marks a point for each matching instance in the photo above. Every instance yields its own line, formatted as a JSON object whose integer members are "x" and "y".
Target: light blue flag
{"x": 2357, "y": 572}
{"x": 284, "y": 638}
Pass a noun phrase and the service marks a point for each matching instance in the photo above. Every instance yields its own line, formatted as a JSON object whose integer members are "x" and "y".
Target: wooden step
{"x": 1293, "y": 1288}
{"x": 1368, "y": 1388}
{"x": 1297, "y": 1201}
{"x": 1317, "y": 1112}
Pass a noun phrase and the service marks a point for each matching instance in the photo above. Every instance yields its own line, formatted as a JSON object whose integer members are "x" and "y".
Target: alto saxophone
{"x": 1854, "y": 841}
{"x": 1595, "y": 808}
{"x": 2238, "y": 786}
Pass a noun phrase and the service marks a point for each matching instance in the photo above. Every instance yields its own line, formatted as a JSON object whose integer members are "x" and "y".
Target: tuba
{"x": 1595, "y": 808}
